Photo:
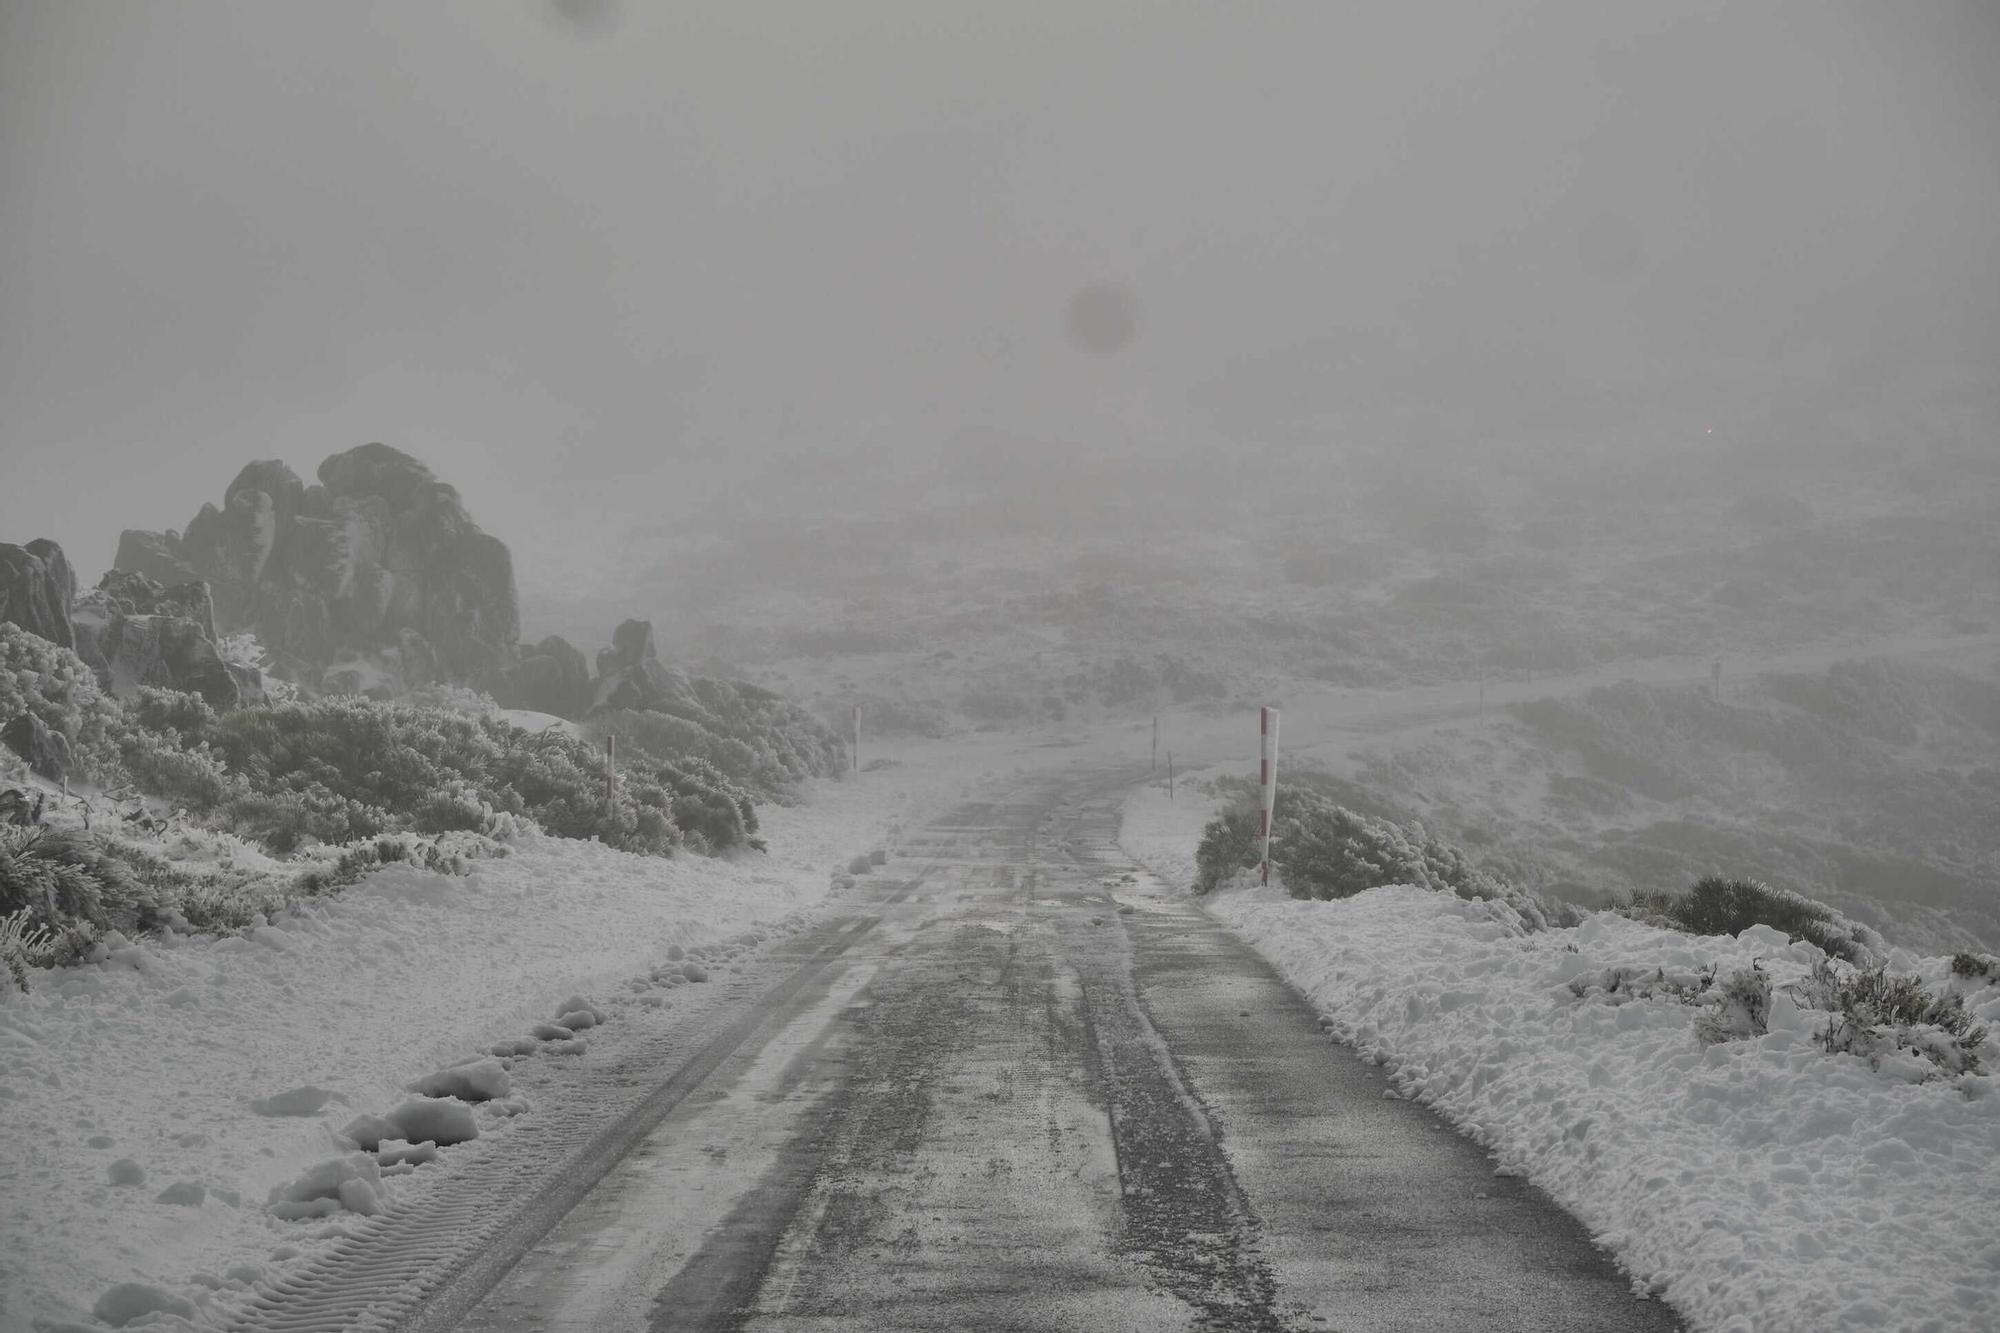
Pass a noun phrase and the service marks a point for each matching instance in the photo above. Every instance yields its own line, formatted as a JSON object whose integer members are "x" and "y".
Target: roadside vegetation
{"x": 1323, "y": 848}
{"x": 1715, "y": 905}
{"x": 185, "y": 819}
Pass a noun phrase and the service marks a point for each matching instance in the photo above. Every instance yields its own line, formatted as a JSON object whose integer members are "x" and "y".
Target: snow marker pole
{"x": 856, "y": 756}
{"x": 1267, "y": 782}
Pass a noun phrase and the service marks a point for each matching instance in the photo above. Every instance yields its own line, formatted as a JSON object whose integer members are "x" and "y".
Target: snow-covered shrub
{"x": 756, "y": 738}
{"x": 347, "y": 769}
{"x": 55, "y": 685}
{"x": 1740, "y": 1006}
{"x": 66, "y": 880}
{"x": 1718, "y": 906}
{"x": 1882, "y": 1017}
{"x": 1979, "y": 966}
{"x": 452, "y": 699}
{"x": 247, "y": 650}
{"x": 23, "y": 945}
{"x": 1329, "y": 851}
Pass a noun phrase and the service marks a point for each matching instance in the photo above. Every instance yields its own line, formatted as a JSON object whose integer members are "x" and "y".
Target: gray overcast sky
{"x": 572, "y": 265}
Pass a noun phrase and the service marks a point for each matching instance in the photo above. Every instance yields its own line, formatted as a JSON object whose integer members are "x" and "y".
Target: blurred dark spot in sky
{"x": 591, "y": 18}
{"x": 1101, "y": 318}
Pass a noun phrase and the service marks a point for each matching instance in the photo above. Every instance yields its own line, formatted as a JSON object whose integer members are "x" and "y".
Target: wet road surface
{"x": 1019, "y": 1086}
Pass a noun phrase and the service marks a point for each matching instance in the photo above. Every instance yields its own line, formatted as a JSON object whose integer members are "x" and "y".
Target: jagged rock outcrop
{"x": 124, "y": 593}
{"x": 129, "y": 629}
{"x": 133, "y": 632}
{"x": 630, "y": 673}
{"x": 552, "y": 677}
{"x": 376, "y": 574}
{"x": 37, "y": 587}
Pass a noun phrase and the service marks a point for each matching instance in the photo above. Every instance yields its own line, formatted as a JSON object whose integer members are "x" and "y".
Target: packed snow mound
{"x": 352, "y": 1183}
{"x": 576, "y": 1004}
{"x": 299, "y": 1101}
{"x": 480, "y": 1081}
{"x": 369, "y": 1131}
{"x": 129, "y": 1302}
{"x": 439, "y": 1120}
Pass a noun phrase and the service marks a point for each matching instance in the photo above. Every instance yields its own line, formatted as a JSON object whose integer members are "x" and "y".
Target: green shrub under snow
{"x": 66, "y": 884}
{"x": 1879, "y": 1016}
{"x": 1715, "y": 905}
{"x": 347, "y": 769}
{"x": 1326, "y": 850}
{"x": 66, "y": 892}
{"x": 759, "y": 740}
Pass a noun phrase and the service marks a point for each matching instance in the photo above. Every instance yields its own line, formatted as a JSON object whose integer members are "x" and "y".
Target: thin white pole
{"x": 1267, "y": 781}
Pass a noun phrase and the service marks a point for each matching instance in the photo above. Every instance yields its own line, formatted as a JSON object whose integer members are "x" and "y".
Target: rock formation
{"x": 551, "y": 677}
{"x": 36, "y": 589}
{"x": 130, "y": 630}
{"x": 134, "y": 632}
{"x": 377, "y": 572}
{"x": 630, "y": 673}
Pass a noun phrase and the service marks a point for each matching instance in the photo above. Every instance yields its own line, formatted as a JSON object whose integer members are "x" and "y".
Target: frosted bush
{"x": 1894, "y": 1021}
{"x": 55, "y": 685}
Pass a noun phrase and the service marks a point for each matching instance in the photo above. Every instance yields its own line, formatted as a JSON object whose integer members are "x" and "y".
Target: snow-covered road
{"x": 1013, "y": 1083}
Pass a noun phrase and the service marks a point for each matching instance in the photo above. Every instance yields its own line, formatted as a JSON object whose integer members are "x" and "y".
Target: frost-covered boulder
{"x": 37, "y": 588}
{"x": 378, "y": 563}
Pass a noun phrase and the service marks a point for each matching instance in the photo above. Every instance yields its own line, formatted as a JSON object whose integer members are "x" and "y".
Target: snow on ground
{"x": 128, "y": 1084}
{"x": 1756, "y": 1184}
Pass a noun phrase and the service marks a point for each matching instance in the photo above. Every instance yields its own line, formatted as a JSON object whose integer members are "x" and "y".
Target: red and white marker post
{"x": 1267, "y": 782}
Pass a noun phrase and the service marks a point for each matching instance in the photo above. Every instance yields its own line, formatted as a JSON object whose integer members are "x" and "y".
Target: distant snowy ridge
{"x": 1758, "y": 1184}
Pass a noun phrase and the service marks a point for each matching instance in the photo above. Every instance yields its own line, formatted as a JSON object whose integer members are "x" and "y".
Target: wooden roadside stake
{"x": 1267, "y": 781}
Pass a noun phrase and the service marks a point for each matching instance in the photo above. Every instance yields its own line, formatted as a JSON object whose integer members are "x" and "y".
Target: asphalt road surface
{"x": 1015, "y": 1086}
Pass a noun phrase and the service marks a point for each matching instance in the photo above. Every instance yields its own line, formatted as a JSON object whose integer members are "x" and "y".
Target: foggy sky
{"x": 576, "y": 266}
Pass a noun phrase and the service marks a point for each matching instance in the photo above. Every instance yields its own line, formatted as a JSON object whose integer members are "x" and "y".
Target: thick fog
{"x": 604, "y": 263}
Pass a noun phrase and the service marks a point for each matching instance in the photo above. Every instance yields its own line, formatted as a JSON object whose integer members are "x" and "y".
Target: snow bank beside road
{"x": 1758, "y": 1184}
{"x": 130, "y": 1148}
